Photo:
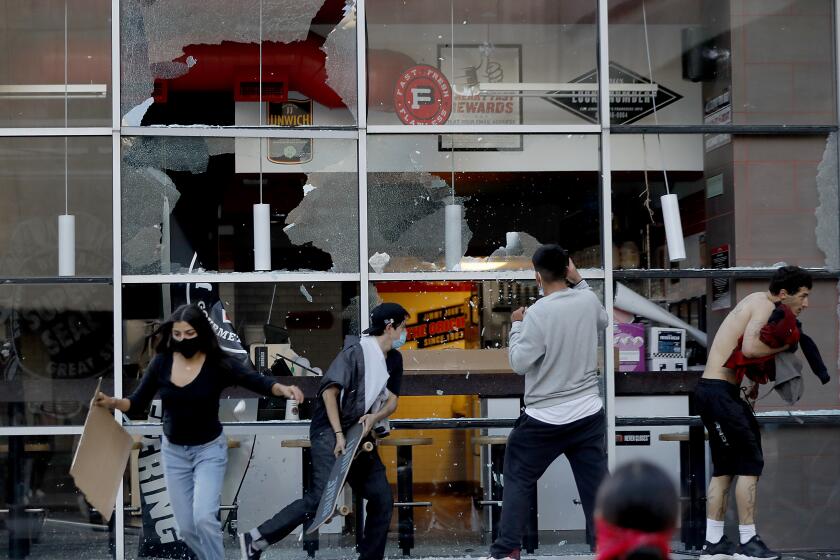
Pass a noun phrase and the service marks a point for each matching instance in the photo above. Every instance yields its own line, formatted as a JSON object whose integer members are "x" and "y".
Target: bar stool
{"x": 493, "y": 492}
{"x": 405, "y": 503}
{"x": 310, "y": 541}
{"x": 692, "y": 487}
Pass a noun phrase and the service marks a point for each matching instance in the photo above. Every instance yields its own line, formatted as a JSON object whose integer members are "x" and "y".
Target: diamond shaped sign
{"x": 624, "y": 108}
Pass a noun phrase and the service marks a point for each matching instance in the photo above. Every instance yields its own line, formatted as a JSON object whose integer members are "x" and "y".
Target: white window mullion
{"x": 239, "y": 132}
{"x": 364, "y": 270}
{"x": 240, "y": 277}
{"x": 116, "y": 241}
{"x": 485, "y": 129}
{"x": 527, "y": 275}
{"x": 606, "y": 221}
{"x": 361, "y": 64}
{"x": 55, "y": 131}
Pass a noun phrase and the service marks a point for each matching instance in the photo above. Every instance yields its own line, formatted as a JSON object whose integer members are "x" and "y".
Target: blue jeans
{"x": 194, "y": 476}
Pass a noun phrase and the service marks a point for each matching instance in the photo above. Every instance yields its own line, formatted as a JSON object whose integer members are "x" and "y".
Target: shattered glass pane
{"x": 188, "y": 204}
{"x": 328, "y": 217}
{"x": 172, "y": 24}
{"x": 187, "y": 62}
{"x": 340, "y": 48}
{"x": 827, "y": 211}
{"x": 501, "y": 208}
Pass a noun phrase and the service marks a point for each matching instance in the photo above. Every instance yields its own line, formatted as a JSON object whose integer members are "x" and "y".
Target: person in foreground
{"x": 554, "y": 344}
{"x": 635, "y": 514}
{"x": 189, "y": 371}
{"x": 361, "y": 386}
{"x": 762, "y": 325}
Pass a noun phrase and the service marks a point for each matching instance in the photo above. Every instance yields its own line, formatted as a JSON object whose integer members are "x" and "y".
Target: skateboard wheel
{"x": 343, "y": 510}
{"x": 367, "y": 446}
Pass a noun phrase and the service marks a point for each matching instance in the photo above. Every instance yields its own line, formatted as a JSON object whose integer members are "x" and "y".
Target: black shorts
{"x": 734, "y": 436}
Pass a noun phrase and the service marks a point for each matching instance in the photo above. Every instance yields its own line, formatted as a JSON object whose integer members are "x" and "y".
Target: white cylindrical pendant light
{"x": 452, "y": 236}
{"x": 262, "y": 237}
{"x": 66, "y": 245}
{"x": 673, "y": 227}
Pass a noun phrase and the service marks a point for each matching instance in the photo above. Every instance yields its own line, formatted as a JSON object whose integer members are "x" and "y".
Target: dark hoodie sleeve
{"x": 812, "y": 354}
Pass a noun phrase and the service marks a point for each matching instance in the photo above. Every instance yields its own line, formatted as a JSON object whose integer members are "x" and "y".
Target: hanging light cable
{"x": 453, "y": 213}
{"x": 670, "y": 202}
{"x": 262, "y": 212}
{"x": 66, "y": 221}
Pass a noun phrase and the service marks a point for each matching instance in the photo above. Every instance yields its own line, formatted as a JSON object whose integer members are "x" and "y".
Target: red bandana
{"x": 615, "y": 543}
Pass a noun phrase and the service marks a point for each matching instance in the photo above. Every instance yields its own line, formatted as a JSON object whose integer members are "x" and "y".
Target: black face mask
{"x": 187, "y": 347}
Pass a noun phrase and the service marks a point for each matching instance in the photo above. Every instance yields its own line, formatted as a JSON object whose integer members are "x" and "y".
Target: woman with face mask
{"x": 190, "y": 372}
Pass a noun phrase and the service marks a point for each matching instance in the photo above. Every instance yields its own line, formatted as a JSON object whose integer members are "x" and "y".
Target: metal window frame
{"x": 527, "y": 275}
{"x": 582, "y": 129}
{"x": 273, "y": 277}
{"x": 54, "y": 131}
{"x": 606, "y": 221}
{"x": 241, "y": 132}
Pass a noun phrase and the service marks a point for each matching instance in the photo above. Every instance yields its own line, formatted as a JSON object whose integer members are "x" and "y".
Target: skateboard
{"x": 327, "y": 507}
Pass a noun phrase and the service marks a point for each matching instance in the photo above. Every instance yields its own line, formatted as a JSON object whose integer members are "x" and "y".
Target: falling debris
{"x": 327, "y": 218}
{"x": 305, "y": 293}
{"x": 827, "y": 210}
{"x": 379, "y": 261}
{"x": 406, "y": 215}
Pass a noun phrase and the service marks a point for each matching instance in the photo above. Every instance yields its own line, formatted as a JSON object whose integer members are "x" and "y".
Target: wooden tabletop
{"x": 399, "y": 441}
{"x": 490, "y": 440}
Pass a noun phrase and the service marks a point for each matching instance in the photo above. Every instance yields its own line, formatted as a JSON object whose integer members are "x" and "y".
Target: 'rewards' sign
{"x": 624, "y": 108}
{"x": 439, "y": 326}
{"x": 423, "y": 95}
{"x": 472, "y": 65}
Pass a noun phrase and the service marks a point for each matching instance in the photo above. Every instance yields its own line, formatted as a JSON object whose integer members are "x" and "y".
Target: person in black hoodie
{"x": 361, "y": 386}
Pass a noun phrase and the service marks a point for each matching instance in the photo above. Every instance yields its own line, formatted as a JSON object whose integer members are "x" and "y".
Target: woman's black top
{"x": 191, "y": 412}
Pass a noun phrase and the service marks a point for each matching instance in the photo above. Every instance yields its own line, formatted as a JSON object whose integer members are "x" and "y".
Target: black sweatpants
{"x": 532, "y": 446}
{"x": 366, "y": 477}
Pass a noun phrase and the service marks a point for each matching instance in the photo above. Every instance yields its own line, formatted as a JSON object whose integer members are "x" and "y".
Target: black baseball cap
{"x": 383, "y": 315}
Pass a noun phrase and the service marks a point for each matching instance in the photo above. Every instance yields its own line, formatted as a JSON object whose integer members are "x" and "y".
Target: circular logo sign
{"x": 423, "y": 96}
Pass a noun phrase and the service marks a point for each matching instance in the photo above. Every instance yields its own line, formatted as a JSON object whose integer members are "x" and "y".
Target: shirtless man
{"x": 734, "y": 436}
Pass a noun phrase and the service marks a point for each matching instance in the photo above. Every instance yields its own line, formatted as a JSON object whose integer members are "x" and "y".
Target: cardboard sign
{"x": 99, "y": 463}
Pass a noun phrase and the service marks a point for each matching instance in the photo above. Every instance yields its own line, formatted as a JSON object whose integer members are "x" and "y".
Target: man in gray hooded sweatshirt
{"x": 554, "y": 344}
